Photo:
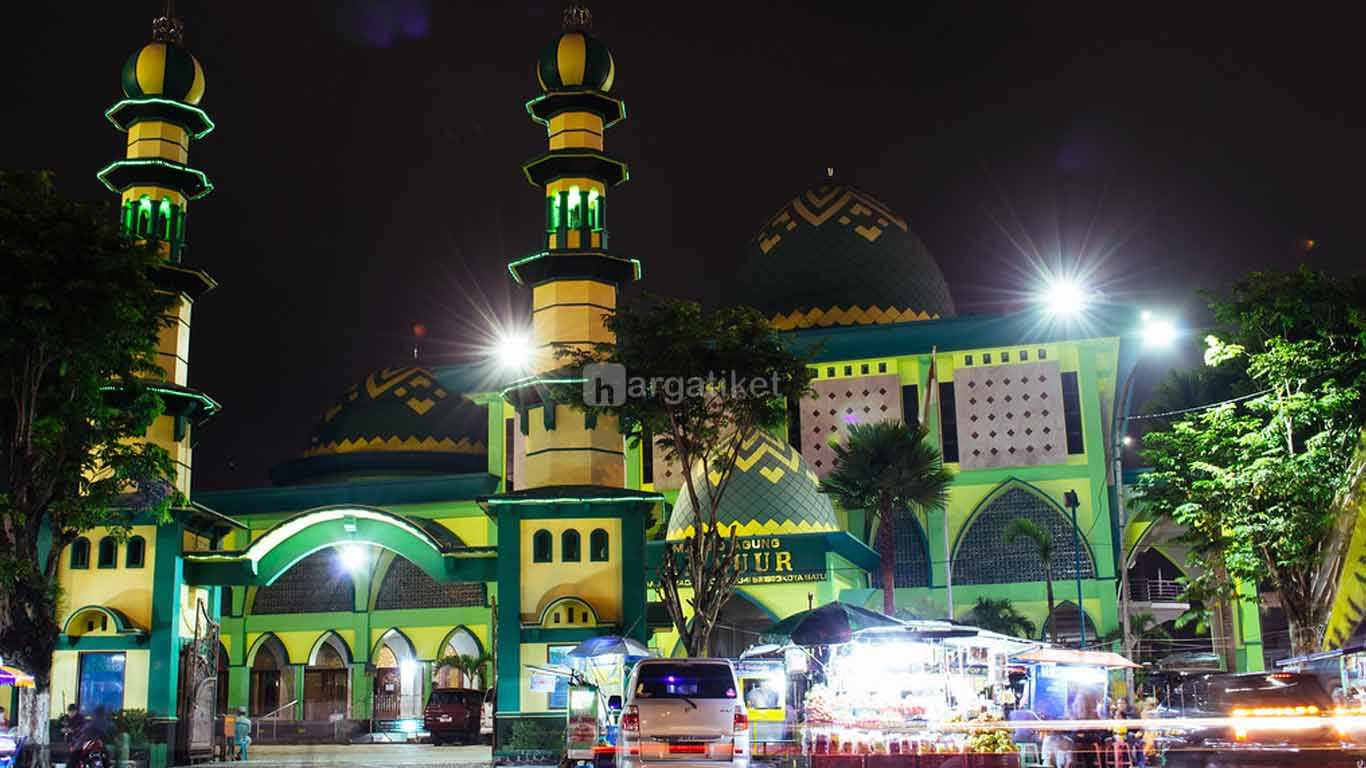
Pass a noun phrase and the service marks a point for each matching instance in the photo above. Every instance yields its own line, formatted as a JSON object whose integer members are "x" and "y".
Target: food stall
{"x": 927, "y": 688}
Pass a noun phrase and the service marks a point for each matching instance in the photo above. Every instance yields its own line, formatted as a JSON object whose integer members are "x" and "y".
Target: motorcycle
{"x": 89, "y": 753}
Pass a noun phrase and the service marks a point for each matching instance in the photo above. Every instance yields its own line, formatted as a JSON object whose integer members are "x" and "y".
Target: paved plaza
{"x": 386, "y": 755}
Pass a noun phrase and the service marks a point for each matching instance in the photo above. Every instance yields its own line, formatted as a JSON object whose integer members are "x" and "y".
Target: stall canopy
{"x": 610, "y": 645}
{"x": 1075, "y": 657}
{"x": 827, "y": 625}
{"x": 15, "y": 677}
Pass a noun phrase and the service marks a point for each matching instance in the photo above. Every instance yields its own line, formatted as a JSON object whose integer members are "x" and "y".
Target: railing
{"x": 274, "y": 717}
{"x": 1154, "y": 591}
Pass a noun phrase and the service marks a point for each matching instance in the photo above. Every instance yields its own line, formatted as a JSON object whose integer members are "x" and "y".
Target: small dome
{"x": 398, "y": 421}
{"x": 771, "y": 492}
{"x": 166, "y": 70}
{"x": 835, "y": 255}
{"x": 576, "y": 60}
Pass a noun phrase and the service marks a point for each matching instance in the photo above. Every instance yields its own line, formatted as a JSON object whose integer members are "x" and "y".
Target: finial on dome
{"x": 166, "y": 28}
{"x": 577, "y": 18}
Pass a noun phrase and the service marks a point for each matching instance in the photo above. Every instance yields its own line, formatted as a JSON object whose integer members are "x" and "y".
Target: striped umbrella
{"x": 14, "y": 677}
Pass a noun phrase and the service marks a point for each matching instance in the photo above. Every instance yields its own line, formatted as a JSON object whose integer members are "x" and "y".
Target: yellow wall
{"x": 534, "y": 653}
{"x": 128, "y": 590}
{"x": 598, "y": 584}
{"x": 474, "y": 531}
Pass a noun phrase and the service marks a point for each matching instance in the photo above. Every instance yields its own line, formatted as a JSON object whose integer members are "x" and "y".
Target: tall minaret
{"x": 162, "y": 86}
{"x": 574, "y": 280}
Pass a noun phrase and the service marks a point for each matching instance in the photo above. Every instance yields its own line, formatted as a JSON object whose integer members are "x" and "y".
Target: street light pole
{"x": 1119, "y": 426}
{"x": 1071, "y": 502}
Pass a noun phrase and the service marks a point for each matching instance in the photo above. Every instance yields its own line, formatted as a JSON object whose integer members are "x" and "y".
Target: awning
{"x": 15, "y": 677}
{"x": 1074, "y": 657}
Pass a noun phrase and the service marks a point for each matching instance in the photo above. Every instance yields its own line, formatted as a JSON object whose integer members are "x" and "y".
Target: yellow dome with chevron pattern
{"x": 772, "y": 492}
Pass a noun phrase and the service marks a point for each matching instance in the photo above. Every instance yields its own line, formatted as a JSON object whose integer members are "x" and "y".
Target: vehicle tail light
{"x": 741, "y": 722}
{"x": 630, "y": 720}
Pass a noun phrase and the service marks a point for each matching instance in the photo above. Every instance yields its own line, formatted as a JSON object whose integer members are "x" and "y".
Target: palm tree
{"x": 1143, "y": 626}
{"x": 885, "y": 468}
{"x": 1000, "y": 616}
{"x": 1025, "y": 528}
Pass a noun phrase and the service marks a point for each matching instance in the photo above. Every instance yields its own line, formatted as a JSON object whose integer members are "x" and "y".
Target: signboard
{"x": 542, "y": 682}
{"x": 582, "y": 733}
{"x": 774, "y": 560}
{"x": 763, "y": 684}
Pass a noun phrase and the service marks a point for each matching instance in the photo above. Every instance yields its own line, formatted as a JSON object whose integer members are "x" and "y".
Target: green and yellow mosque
{"x": 432, "y": 515}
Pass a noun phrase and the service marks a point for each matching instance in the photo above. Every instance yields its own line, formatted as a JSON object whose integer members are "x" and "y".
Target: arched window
{"x": 982, "y": 556}
{"x": 569, "y": 546}
{"x": 80, "y": 553}
{"x": 597, "y": 546}
{"x": 574, "y": 205}
{"x": 136, "y": 554}
{"x": 541, "y": 545}
{"x": 109, "y": 553}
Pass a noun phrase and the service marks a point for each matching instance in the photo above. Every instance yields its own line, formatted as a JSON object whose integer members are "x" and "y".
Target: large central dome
{"x": 834, "y": 255}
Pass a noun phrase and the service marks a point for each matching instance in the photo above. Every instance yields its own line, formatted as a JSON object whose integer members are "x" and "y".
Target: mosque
{"x": 431, "y": 515}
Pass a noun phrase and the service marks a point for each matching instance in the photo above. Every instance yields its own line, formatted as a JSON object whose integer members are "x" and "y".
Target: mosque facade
{"x": 433, "y": 516}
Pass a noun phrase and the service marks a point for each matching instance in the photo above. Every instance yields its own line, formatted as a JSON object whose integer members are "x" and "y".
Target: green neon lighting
{"x": 152, "y": 162}
{"x": 284, "y": 531}
{"x": 538, "y": 382}
{"x": 201, "y": 114}
{"x": 210, "y": 404}
{"x": 574, "y": 500}
{"x": 575, "y": 208}
{"x": 513, "y": 265}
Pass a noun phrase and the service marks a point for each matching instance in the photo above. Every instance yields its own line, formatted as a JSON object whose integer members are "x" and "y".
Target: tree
{"x": 888, "y": 467}
{"x": 79, "y": 318}
{"x": 1024, "y": 528}
{"x": 1259, "y": 485}
{"x": 702, "y": 384}
{"x": 471, "y": 667}
{"x": 999, "y": 616}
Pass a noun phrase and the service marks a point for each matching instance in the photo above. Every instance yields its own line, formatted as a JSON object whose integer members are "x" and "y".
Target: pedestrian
{"x": 242, "y": 731}
{"x": 4, "y": 719}
{"x": 71, "y": 723}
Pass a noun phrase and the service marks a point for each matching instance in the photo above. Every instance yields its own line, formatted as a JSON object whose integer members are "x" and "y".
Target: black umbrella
{"x": 829, "y": 624}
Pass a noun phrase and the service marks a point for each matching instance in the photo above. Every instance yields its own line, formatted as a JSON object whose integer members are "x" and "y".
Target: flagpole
{"x": 931, "y": 392}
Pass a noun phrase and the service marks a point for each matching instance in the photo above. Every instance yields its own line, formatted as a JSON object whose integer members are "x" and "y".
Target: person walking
{"x": 242, "y": 732}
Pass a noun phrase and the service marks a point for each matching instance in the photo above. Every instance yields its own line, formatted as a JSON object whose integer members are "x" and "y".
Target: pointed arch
{"x": 912, "y": 567}
{"x": 574, "y": 608}
{"x": 457, "y": 630}
{"x": 981, "y": 556}
{"x": 277, "y": 648}
{"x": 333, "y": 638}
{"x": 386, "y": 635}
{"x": 1068, "y": 619}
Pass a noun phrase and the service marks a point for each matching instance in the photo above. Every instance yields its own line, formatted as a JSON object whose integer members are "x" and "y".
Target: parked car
{"x": 1268, "y": 719}
{"x": 453, "y": 715}
{"x": 684, "y": 712}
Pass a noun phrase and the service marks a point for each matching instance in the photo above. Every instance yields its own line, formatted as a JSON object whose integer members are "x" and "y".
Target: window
{"x": 552, "y": 213}
{"x": 101, "y": 682}
{"x": 1024, "y": 355}
{"x": 863, "y": 369}
{"x": 967, "y": 359}
{"x": 1071, "y": 412}
{"x": 1005, "y": 357}
{"x": 674, "y": 681}
{"x": 80, "y": 553}
{"x": 830, "y": 370}
{"x": 569, "y": 546}
{"x": 881, "y": 367}
{"x": 109, "y": 553}
{"x": 794, "y": 423}
{"x": 595, "y": 202}
{"x": 559, "y": 654}
{"x": 986, "y": 358}
{"x": 1043, "y": 354}
{"x": 948, "y": 420}
{"x": 509, "y": 453}
{"x": 848, "y": 370}
{"x": 136, "y": 554}
{"x": 910, "y": 403}
{"x": 541, "y": 547}
{"x": 597, "y": 546}
{"x": 575, "y": 208}
{"x": 647, "y": 457}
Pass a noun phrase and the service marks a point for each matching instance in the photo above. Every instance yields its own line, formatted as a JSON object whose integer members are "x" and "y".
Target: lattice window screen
{"x": 837, "y": 403}
{"x": 983, "y": 557}
{"x": 315, "y": 584}
{"x": 912, "y": 567}
{"x": 1010, "y": 415}
{"x": 407, "y": 586}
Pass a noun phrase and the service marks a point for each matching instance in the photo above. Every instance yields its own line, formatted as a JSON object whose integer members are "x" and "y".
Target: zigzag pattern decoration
{"x": 1349, "y": 604}
{"x": 425, "y": 444}
{"x": 757, "y": 528}
{"x": 820, "y": 318}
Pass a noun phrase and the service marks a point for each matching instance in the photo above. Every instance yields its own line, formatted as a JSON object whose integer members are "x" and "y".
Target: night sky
{"x": 367, "y": 158}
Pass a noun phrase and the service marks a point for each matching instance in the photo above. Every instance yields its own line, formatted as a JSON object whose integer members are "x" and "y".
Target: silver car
{"x": 684, "y": 712}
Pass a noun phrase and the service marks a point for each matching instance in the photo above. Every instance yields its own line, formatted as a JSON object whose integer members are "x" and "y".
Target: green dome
{"x": 834, "y": 255}
{"x": 574, "y": 61}
{"x": 165, "y": 70}
{"x": 399, "y": 421}
{"x": 772, "y": 492}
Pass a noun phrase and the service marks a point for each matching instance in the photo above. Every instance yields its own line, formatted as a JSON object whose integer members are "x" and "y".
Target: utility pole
{"x": 1070, "y": 501}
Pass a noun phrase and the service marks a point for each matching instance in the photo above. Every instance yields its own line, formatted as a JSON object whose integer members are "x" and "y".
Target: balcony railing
{"x": 1154, "y": 591}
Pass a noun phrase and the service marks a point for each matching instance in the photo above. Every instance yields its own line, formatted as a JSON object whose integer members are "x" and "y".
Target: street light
{"x": 1065, "y": 296}
{"x": 514, "y": 351}
{"x": 353, "y": 557}
{"x": 1154, "y": 332}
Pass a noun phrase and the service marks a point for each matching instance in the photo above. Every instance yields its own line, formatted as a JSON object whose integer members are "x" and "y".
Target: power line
{"x": 1206, "y": 407}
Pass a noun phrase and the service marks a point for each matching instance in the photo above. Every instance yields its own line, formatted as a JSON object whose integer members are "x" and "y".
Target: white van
{"x": 684, "y": 712}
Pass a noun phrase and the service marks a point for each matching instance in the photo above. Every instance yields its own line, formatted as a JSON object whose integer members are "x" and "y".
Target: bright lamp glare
{"x": 514, "y": 352}
{"x": 1158, "y": 333}
{"x": 1065, "y": 297}
{"x": 353, "y": 557}
{"x": 409, "y": 668}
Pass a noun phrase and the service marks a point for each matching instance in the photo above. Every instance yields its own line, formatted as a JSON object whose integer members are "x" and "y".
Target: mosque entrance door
{"x": 199, "y": 688}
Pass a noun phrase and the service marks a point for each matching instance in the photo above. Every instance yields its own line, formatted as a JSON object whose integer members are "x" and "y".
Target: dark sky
{"x": 367, "y": 157}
